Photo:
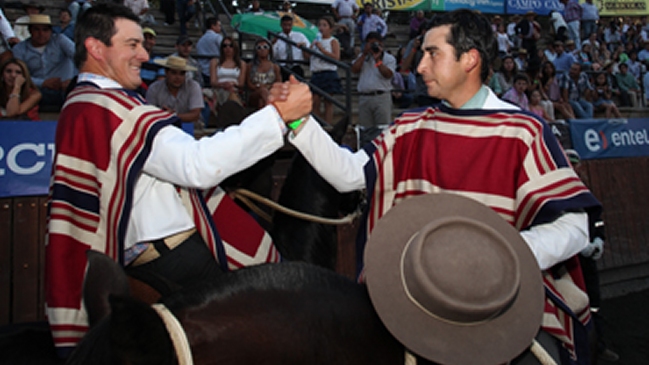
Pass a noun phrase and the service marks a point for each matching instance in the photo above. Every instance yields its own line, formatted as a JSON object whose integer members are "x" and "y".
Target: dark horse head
{"x": 304, "y": 190}
{"x": 288, "y": 313}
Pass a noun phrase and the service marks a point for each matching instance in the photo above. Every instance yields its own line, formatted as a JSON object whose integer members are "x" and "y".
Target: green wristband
{"x": 295, "y": 124}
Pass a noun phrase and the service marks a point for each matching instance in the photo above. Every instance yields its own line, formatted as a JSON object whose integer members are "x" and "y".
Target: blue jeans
{"x": 185, "y": 12}
{"x": 75, "y": 7}
{"x": 588, "y": 27}
{"x": 583, "y": 109}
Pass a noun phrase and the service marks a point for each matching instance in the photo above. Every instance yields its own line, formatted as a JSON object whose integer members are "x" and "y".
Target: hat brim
{"x": 34, "y": 23}
{"x": 490, "y": 342}
{"x": 163, "y": 62}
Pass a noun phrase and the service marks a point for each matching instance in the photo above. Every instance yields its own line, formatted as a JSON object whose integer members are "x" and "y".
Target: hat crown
{"x": 36, "y": 19}
{"x": 176, "y": 62}
{"x": 487, "y": 273}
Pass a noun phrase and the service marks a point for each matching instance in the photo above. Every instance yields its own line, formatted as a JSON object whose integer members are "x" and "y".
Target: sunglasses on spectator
{"x": 262, "y": 46}
{"x": 226, "y": 45}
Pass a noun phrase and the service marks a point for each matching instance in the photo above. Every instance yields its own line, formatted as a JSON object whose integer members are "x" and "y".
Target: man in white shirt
{"x": 125, "y": 180}
{"x": 345, "y": 12}
{"x": 438, "y": 149}
{"x": 289, "y": 53}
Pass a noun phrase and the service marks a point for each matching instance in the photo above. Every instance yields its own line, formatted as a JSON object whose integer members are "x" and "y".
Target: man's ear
{"x": 471, "y": 60}
{"x": 95, "y": 48}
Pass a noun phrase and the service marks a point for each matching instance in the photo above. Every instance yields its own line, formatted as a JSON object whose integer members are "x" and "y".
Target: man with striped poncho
{"x": 476, "y": 145}
{"x": 127, "y": 183}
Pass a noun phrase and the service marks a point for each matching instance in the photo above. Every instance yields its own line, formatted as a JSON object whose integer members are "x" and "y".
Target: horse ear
{"x": 104, "y": 277}
{"x": 137, "y": 333}
{"x": 339, "y": 130}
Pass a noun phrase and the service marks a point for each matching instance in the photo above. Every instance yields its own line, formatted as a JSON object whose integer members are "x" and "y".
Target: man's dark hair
{"x": 521, "y": 76}
{"x": 65, "y": 10}
{"x": 373, "y": 35}
{"x": 286, "y": 18}
{"x": 210, "y": 22}
{"x": 469, "y": 30}
{"x": 98, "y": 22}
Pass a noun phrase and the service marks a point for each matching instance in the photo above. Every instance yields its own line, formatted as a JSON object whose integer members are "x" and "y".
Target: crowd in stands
{"x": 583, "y": 65}
{"x": 578, "y": 65}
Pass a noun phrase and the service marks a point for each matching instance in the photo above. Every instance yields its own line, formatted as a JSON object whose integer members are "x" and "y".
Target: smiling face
{"x": 122, "y": 60}
{"x": 442, "y": 72}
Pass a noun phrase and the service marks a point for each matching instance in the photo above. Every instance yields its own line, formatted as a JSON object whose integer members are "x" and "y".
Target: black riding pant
{"x": 186, "y": 265}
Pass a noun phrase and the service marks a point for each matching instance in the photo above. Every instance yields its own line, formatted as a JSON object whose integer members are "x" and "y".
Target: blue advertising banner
{"x": 26, "y": 155}
{"x": 485, "y": 6}
{"x": 541, "y": 7}
{"x": 609, "y": 138}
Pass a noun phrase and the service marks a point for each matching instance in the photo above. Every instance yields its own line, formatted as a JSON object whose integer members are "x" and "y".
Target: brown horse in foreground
{"x": 288, "y": 313}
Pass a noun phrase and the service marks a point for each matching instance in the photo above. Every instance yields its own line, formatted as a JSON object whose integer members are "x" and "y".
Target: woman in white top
{"x": 324, "y": 75}
{"x": 228, "y": 74}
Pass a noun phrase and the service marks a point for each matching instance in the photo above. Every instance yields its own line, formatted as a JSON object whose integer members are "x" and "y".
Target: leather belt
{"x": 372, "y": 93}
{"x": 151, "y": 253}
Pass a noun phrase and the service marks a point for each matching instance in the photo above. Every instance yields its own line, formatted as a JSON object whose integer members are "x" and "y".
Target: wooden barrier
{"x": 22, "y": 256}
{"x": 621, "y": 185}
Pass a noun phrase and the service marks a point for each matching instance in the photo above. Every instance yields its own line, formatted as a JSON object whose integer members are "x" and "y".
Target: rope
{"x": 539, "y": 352}
{"x": 176, "y": 333}
{"x": 243, "y": 194}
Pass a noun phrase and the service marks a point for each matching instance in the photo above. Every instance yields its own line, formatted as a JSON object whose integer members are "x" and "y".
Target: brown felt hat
{"x": 453, "y": 281}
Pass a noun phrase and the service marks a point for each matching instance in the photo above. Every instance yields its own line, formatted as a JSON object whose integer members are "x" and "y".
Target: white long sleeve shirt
{"x": 176, "y": 158}
{"x": 550, "y": 243}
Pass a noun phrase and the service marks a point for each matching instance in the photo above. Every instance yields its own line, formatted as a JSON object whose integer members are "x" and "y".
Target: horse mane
{"x": 306, "y": 191}
{"x": 285, "y": 276}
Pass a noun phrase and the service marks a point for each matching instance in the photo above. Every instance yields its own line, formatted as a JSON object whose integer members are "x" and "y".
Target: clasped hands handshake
{"x": 291, "y": 99}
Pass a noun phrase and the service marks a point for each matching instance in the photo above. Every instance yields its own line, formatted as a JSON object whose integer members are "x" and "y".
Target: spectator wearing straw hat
{"x": 49, "y": 58}
{"x": 521, "y": 59}
{"x": 177, "y": 93}
{"x": 184, "y": 46}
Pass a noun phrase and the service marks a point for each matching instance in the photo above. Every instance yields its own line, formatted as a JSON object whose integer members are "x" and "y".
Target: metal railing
{"x": 346, "y": 106}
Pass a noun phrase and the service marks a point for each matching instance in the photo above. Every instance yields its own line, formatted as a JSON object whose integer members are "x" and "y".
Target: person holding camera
{"x": 376, "y": 68}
